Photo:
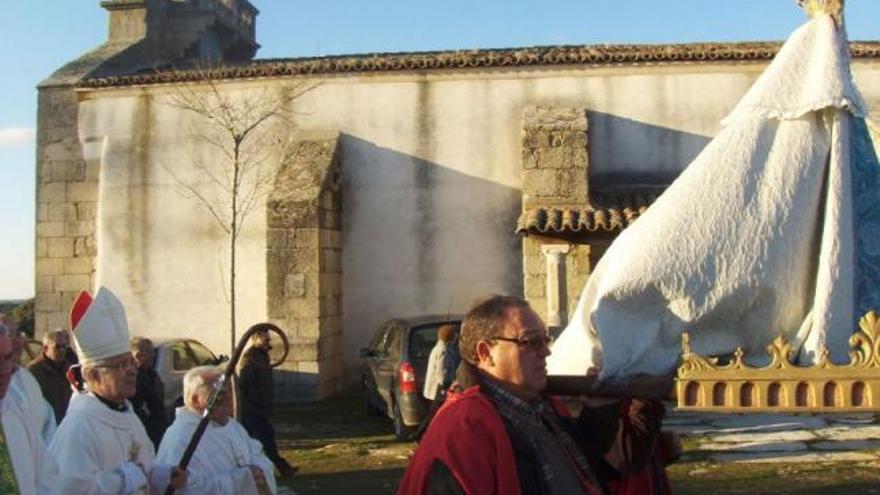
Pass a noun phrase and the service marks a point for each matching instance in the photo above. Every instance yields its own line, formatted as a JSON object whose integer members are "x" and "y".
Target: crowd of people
{"x": 93, "y": 421}
{"x": 492, "y": 430}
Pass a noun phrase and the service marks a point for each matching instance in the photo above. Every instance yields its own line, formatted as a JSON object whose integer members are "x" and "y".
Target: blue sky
{"x": 37, "y": 37}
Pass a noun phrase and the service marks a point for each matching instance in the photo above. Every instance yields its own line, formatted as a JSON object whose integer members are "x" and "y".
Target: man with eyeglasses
{"x": 228, "y": 461}
{"x": 101, "y": 445}
{"x": 50, "y": 368}
{"x": 22, "y": 451}
{"x": 502, "y": 435}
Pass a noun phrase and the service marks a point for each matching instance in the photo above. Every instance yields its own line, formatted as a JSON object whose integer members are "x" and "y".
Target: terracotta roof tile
{"x": 607, "y": 211}
{"x": 592, "y": 55}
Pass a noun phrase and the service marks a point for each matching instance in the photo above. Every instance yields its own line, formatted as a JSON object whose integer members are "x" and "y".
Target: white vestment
{"x": 35, "y": 469}
{"x": 25, "y": 391}
{"x": 95, "y": 446}
{"x": 219, "y": 464}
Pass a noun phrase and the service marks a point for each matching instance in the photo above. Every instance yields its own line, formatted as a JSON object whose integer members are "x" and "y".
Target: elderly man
{"x": 227, "y": 461}
{"x": 502, "y": 436}
{"x": 22, "y": 452}
{"x": 149, "y": 398}
{"x": 49, "y": 369}
{"x": 101, "y": 445}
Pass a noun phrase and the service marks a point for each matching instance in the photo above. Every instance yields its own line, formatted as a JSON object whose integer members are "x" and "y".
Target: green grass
{"x": 341, "y": 449}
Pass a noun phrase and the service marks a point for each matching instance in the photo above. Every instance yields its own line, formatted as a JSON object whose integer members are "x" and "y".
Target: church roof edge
{"x": 590, "y": 55}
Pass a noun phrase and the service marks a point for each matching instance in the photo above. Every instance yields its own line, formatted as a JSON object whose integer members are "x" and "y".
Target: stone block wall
{"x": 554, "y": 157}
{"x": 67, "y": 201}
{"x": 304, "y": 270}
{"x": 578, "y": 266}
{"x": 555, "y": 165}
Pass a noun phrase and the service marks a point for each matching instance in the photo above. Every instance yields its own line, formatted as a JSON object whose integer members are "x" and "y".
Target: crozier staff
{"x": 228, "y": 461}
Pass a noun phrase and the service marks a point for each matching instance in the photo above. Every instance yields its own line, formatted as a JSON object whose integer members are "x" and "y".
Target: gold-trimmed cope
{"x": 704, "y": 385}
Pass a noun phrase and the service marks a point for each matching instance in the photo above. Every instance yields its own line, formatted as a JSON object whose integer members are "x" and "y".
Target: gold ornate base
{"x": 704, "y": 385}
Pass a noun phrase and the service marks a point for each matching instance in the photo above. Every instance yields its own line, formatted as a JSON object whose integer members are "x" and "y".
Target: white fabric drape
{"x": 756, "y": 238}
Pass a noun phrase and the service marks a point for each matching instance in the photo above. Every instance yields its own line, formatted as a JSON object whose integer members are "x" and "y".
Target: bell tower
{"x": 184, "y": 30}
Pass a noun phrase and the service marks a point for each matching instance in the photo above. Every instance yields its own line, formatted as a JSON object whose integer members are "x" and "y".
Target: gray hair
{"x": 485, "y": 320}
{"x": 49, "y": 338}
{"x": 199, "y": 380}
{"x": 137, "y": 342}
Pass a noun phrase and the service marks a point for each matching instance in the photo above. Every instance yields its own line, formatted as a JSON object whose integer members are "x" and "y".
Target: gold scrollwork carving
{"x": 782, "y": 385}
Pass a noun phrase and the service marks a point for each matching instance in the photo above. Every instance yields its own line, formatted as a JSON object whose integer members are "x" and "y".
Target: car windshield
{"x": 181, "y": 357}
{"x": 421, "y": 341}
{"x": 202, "y": 355}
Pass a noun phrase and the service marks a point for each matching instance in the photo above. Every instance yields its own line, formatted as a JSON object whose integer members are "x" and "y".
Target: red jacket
{"x": 469, "y": 437}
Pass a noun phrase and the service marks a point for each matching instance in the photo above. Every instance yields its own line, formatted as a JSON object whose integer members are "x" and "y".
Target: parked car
{"x": 394, "y": 369}
{"x": 174, "y": 357}
{"x": 32, "y": 349}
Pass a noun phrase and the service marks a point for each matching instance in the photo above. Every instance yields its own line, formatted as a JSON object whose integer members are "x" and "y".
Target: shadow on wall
{"x": 624, "y": 151}
{"x": 421, "y": 238}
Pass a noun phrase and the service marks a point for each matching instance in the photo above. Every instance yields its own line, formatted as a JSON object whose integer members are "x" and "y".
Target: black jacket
{"x": 148, "y": 403}
{"x": 256, "y": 384}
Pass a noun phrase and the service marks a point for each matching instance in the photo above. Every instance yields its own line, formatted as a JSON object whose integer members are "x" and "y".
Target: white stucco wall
{"x": 431, "y": 183}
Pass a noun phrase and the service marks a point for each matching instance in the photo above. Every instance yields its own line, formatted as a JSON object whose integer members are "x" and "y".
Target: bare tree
{"x": 250, "y": 131}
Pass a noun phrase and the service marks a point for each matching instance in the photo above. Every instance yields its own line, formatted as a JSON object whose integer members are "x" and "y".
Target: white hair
{"x": 199, "y": 381}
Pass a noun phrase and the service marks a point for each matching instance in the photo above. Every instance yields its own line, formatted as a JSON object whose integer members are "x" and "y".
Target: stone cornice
{"x": 590, "y": 55}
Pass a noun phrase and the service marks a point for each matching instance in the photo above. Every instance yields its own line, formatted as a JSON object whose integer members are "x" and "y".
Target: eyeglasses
{"x": 121, "y": 366}
{"x": 535, "y": 343}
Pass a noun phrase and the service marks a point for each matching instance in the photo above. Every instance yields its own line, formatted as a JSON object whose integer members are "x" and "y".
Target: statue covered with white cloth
{"x": 773, "y": 229}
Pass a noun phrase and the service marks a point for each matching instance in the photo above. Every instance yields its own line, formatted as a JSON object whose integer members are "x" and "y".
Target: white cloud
{"x": 14, "y": 137}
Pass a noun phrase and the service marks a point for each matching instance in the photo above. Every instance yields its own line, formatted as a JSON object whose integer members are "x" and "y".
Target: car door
{"x": 386, "y": 367}
{"x": 372, "y": 362}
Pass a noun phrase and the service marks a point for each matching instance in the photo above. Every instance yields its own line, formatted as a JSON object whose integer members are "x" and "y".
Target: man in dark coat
{"x": 149, "y": 398}
{"x": 257, "y": 395}
{"x": 49, "y": 369}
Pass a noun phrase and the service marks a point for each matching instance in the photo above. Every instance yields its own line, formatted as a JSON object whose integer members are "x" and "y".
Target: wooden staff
{"x": 637, "y": 387}
{"x": 220, "y": 385}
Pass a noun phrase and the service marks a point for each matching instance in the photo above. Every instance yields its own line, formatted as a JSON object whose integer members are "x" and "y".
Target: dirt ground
{"x": 341, "y": 449}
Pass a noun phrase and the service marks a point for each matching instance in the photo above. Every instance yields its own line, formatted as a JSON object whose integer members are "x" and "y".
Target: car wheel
{"x": 401, "y": 431}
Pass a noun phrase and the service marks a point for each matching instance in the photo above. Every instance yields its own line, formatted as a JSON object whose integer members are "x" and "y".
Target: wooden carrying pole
{"x": 639, "y": 386}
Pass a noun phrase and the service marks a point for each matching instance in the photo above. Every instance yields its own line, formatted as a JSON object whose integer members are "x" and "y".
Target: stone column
{"x": 304, "y": 267}
{"x": 557, "y": 310}
{"x": 555, "y": 162}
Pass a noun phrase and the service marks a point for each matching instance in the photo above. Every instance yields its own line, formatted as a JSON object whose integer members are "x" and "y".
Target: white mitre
{"x": 100, "y": 329}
